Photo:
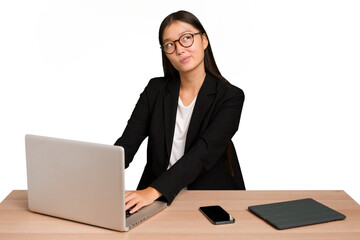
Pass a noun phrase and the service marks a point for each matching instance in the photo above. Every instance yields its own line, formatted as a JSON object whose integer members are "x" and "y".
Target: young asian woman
{"x": 189, "y": 116}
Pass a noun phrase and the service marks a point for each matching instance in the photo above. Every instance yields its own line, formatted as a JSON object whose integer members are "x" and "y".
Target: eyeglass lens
{"x": 185, "y": 40}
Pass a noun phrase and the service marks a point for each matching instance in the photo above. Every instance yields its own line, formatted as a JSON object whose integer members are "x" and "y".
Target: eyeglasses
{"x": 186, "y": 40}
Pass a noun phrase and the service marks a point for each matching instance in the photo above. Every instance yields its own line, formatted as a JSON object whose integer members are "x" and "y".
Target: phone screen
{"x": 217, "y": 215}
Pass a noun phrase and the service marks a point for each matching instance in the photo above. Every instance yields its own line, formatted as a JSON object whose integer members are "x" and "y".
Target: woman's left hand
{"x": 140, "y": 198}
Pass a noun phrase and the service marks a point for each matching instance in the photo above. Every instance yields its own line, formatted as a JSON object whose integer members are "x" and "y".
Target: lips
{"x": 185, "y": 59}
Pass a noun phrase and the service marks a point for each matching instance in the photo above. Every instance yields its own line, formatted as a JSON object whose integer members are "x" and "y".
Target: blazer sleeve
{"x": 137, "y": 128}
{"x": 206, "y": 151}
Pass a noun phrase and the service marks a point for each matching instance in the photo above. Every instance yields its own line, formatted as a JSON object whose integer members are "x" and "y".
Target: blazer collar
{"x": 170, "y": 108}
{"x": 203, "y": 102}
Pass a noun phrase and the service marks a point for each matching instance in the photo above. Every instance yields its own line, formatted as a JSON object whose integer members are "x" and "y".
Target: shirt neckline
{"x": 190, "y": 105}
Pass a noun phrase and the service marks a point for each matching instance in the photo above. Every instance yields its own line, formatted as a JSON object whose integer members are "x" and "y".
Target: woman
{"x": 189, "y": 117}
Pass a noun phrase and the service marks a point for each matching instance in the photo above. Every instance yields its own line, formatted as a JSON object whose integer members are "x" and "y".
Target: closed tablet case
{"x": 290, "y": 214}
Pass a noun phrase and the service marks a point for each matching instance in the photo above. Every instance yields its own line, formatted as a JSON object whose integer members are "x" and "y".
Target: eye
{"x": 186, "y": 37}
{"x": 168, "y": 44}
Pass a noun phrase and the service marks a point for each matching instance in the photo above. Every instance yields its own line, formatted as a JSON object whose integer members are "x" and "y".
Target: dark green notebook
{"x": 296, "y": 213}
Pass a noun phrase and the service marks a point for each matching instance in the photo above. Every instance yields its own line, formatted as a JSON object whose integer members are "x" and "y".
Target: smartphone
{"x": 217, "y": 215}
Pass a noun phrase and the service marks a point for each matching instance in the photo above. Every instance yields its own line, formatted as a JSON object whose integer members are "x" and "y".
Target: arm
{"x": 135, "y": 132}
{"x": 137, "y": 128}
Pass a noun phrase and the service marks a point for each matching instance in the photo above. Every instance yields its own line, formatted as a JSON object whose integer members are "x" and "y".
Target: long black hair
{"x": 209, "y": 60}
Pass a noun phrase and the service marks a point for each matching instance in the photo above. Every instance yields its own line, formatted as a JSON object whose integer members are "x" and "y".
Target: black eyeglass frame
{"x": 174, "y": 42}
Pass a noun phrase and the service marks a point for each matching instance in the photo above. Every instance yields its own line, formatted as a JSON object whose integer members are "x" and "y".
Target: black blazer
{"x": 210, "y": 161}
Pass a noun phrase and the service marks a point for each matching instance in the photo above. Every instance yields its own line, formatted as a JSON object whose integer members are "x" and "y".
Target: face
{"x": 184, "y": 59}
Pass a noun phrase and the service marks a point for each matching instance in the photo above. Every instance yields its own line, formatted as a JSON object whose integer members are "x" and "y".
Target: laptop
{"x": 297, "y": 213}
{"x": 80, "y": 181}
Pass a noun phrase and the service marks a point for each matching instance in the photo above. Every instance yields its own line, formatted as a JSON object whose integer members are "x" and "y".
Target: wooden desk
{"x": 182, "y": 220}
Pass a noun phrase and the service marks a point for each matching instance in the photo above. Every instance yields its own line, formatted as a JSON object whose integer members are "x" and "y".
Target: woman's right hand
{"x": 135, "y": 200}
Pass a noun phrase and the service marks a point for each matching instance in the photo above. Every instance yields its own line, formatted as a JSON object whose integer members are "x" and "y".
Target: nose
{"x": 178, "y": 48}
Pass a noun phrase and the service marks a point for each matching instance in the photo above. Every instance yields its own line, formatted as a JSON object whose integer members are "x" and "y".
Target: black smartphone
{"x": 217, "y": 215}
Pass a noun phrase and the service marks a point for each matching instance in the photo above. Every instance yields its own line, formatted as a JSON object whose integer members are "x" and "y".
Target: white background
{"x": 75, "y": 69}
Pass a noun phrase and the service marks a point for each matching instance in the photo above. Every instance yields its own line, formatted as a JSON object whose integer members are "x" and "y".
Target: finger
{"x": 130, "y": 197}
{"x": 131, "y": 204}
{"x": 136, "y": 208}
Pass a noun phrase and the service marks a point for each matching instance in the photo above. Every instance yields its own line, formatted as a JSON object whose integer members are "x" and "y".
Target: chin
{"x": 186, "y": 68}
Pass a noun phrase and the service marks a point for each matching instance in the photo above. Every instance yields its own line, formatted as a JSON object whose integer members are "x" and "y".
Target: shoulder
{"x": 158, "y": 87}
{"x": 234, "y": 90}
{"x": 159, "y": 83}
{"x": 228, "y": 90}
{"x": 156, "y": 83}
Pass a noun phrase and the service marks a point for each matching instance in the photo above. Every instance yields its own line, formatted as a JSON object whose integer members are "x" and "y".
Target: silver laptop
{"x": 80, "y": 181}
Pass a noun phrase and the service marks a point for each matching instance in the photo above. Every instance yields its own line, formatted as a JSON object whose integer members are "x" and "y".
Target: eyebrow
{"x": 182, "y": 33}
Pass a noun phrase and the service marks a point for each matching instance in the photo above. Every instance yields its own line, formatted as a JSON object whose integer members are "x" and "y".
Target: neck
{"x": 192, "y": 82}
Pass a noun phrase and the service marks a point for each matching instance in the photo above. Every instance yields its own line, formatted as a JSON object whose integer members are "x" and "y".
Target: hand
{"x": 140, "y": 198}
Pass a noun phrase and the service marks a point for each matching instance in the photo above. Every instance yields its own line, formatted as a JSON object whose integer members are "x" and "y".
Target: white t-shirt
{"x": 183, "y": 117}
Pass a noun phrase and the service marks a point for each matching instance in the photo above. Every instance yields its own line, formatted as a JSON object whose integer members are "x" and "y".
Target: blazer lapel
{"x": 203, "y": 102}
{"x": 170, "y": 107}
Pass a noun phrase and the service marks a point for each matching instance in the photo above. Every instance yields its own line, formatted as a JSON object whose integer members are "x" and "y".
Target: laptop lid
{"x": 296, "y": 213}
{"x": 76, "y": 180}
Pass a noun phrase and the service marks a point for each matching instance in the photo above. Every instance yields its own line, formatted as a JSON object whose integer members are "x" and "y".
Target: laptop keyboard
{"x": 127, "y": 213}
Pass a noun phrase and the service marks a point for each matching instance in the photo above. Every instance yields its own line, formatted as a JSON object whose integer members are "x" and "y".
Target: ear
{"x": 205, "y": 40}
